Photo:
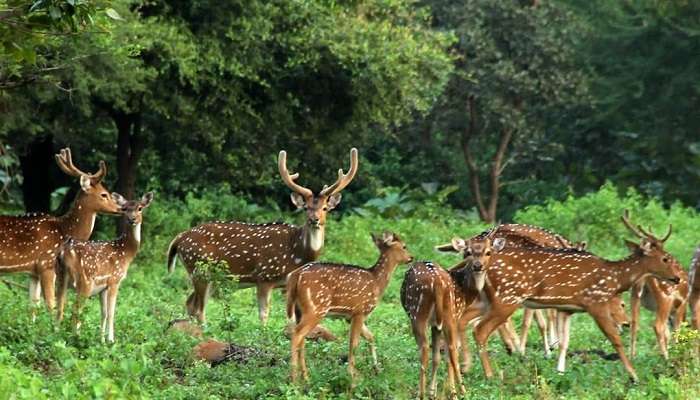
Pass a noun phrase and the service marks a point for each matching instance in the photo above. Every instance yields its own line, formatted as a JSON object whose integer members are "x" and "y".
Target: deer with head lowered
{"x": 100, "y": 267}
{"x": 570, "y": 281}
{"x": 260, "y": 254}
{"x": 432, "y": 296}
{"x": 30, "y": 243}
{"x": 319, "y": 289}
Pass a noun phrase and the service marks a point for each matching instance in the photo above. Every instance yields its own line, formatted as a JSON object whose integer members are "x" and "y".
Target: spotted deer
{"x": 694, "y": 295}
{"x": 351, "y": 292}
{"x": 570, "y": 281}
{"x": 99, "y": 267}
{"x": 260, "y": 255}
{"x": 432, "y": 296}
{"x": 666, "y": 300}
{"x": 30, "y": 243}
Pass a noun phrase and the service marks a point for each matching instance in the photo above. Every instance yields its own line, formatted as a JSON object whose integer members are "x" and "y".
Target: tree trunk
{"x": 129, "y": 150}
{"x": 36, "y": 165}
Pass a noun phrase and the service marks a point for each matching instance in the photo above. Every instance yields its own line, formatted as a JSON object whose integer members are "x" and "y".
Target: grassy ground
{"x": 38, "y": 361}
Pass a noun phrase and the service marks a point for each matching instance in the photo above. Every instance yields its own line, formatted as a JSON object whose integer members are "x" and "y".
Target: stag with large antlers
{"x": 30, "y": 243}
{"x": 432, "y": 296}
{"x": 571, "y": 281}
{"x": 260, "y": 255}
{"x": 352, "y": 292}
{"x": 100, "y": 267}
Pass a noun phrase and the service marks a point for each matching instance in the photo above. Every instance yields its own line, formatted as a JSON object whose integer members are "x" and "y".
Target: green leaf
{"x": 112, "y": 13}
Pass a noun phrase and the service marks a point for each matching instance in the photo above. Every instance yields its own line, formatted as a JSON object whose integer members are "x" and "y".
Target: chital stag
{"x": 100, "y": 267}
{"x": 432, "y": 296}
{"x": 348, "y": 291}
{"x": 30, "y": 243}
{"x": 570, "y": 281}
{"x": 666, "y": 300}
{"x": 694, "y": 283}
{"x": 260, "y": 254}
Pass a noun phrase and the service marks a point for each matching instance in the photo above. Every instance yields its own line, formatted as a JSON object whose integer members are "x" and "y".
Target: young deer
{"x": 666, "y": 300}
{"x": 570, "y": 281}
{"x": 100, "y": 267}
{"x": 260, "y": 255}
{"x": 352, "y": 292}
{"x": 30, "y": 243}
{"x": 694, "y": 283}
{"x": 432, "y": 296}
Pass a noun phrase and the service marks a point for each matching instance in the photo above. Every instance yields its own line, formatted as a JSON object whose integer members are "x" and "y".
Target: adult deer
{"x": 571, "y": 281}
{"x": 260, "y": 254}
{"x": 694, "y": 283}
{"x": 666, "y": 300}
{"x": 97, "y": 267}
{"x": 432, "y": 296}
{"x": 318, "y": 289}
{"x": 30, "y": 243}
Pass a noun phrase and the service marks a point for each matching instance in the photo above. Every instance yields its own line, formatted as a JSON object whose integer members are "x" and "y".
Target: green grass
{"x": 40, "y": 361}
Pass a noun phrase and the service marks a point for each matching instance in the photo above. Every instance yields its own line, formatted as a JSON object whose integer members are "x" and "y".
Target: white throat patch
{"x": 315, "y": 238}
{"x": 479, "y": 280}
{"x": 137, "y": 233}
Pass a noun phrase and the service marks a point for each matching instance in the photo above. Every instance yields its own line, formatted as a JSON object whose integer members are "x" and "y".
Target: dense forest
{"x": 560, "y": 116}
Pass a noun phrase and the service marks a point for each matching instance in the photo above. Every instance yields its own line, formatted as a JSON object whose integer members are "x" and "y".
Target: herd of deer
{"x": 501, "y": 270}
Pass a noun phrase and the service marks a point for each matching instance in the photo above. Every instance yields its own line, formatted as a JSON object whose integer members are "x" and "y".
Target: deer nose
{"x": 477, "y": 266}
{"x": 314, "y": 220}
{"x": 675, "y": 279}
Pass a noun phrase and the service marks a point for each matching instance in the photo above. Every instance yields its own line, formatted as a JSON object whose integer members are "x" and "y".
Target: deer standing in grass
{"x": 694, "y": 295}
{"x": 260, "y": 255}
{"x": 30, "y": 243}
{"x": 97, "y": 267}
{"x": 319, "y": 289}
{"x": 432, "y": 296}
{"x": 570, "y": 281}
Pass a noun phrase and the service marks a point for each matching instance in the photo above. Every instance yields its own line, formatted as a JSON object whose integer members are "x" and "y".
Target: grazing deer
{"x": 666, "y": 300}
{"x": 260, "y": 254}
{"x": 694, "y": 283}
{"x": 100, "y": 267}
{"x": 30, "y": 243}
{"x": 570, "y": 281}
{"x": 352, "y": 292}
{"x": 432, "y": 296}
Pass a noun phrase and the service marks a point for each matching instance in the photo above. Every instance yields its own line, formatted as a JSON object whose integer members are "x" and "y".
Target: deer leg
{"x": 542, "y": 325}
{"x": 508, "y": 336}
{"x": 197, "y": 301}
{"x": 564, "y": 324}
{"x": 356, "y": 324}
{"x": 419, "y": 333}
{"x": 435, "y": 336}
{"x": 264, "y": 294}
{"x": 369, "y": 337}
{"x": 112, "y": 292}
{"x": 48, "y": 281}
{"x": 452, "y": 340}
{"x": 464, "y": 346}
{"x": 34, "y": 294}
{"x": 63, "y": 279}
{"x": 80, "y": 297}
{"x": 497, "y": 315}
{"x": 635, "y": 304}
{"x": 694, "y": 302}
{"x": 104, "y": 308}
{"x": 679, "y": 316}
{"x": 607, "y": 325}
{"x": 525, "y": 327}
{"x": 552, "y": 327}
{"x": 306, "y": 323}
{"x": 663, "y": 310}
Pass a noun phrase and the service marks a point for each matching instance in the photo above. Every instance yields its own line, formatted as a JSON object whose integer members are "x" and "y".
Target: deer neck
{"x": 382, "y": 271}
{"x": 79, "y": 221}
{"x": 131, "y": 240}
{"x": 630, "y": 270}
{"x": 312, "y": 239}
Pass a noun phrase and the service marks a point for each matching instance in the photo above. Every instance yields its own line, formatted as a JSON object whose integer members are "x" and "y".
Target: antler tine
{"x": 668, "y": 234}
{"x": 100, "y": 174}
{"x": 625, "y": 220}
{"x": 343, "y": 179}
{"x": 289, "y": 179}
{"x": 65, "y": 163}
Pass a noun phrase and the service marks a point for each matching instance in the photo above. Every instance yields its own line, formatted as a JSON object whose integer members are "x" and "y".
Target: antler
{"x": 650, "y": 234}
{"x": 65, "y": 163}
{"x": 289, "y": 179}
{"x": 626, "y": 220}
{"x": 343, "y": 179}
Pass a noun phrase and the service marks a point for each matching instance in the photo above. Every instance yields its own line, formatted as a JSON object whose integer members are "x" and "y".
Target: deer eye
{"x": 140, "y": 208}
{"x": 104, "y": 195}
{"x": 325, "y": 208}
{"x": 488, "y": 253}
{"x": 665, "y": 259}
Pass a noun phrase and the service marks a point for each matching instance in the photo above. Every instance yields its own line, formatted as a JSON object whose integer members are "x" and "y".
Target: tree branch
{"x": 469, "y": 132}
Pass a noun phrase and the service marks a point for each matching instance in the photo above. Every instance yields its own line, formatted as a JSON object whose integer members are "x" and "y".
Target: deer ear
{"x": 458, "y": 244}
{"x": 446, "y": 248}
{"x": 85, "y": 183}
{"x": 498, "y": 244}
{"x": 298, "y": 200}
{"x": 146, "y": 199}
{"x": 119, "y": 199}
{"x": 334, "y": 200}
{"x": 645, "y": 246}
{"x": 582, "y": 245}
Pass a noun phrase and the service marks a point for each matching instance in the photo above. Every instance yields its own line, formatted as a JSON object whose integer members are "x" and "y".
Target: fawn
{"x": 100, "y": 267}
{"x": 433, "y": 296}
{"x": 352, "y": 292}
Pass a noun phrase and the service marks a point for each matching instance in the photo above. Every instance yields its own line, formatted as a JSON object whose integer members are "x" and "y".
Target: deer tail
{"x": 440, "y": 306}
{"x": 292, "y": 280}
{"x": 172, "y": 253}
